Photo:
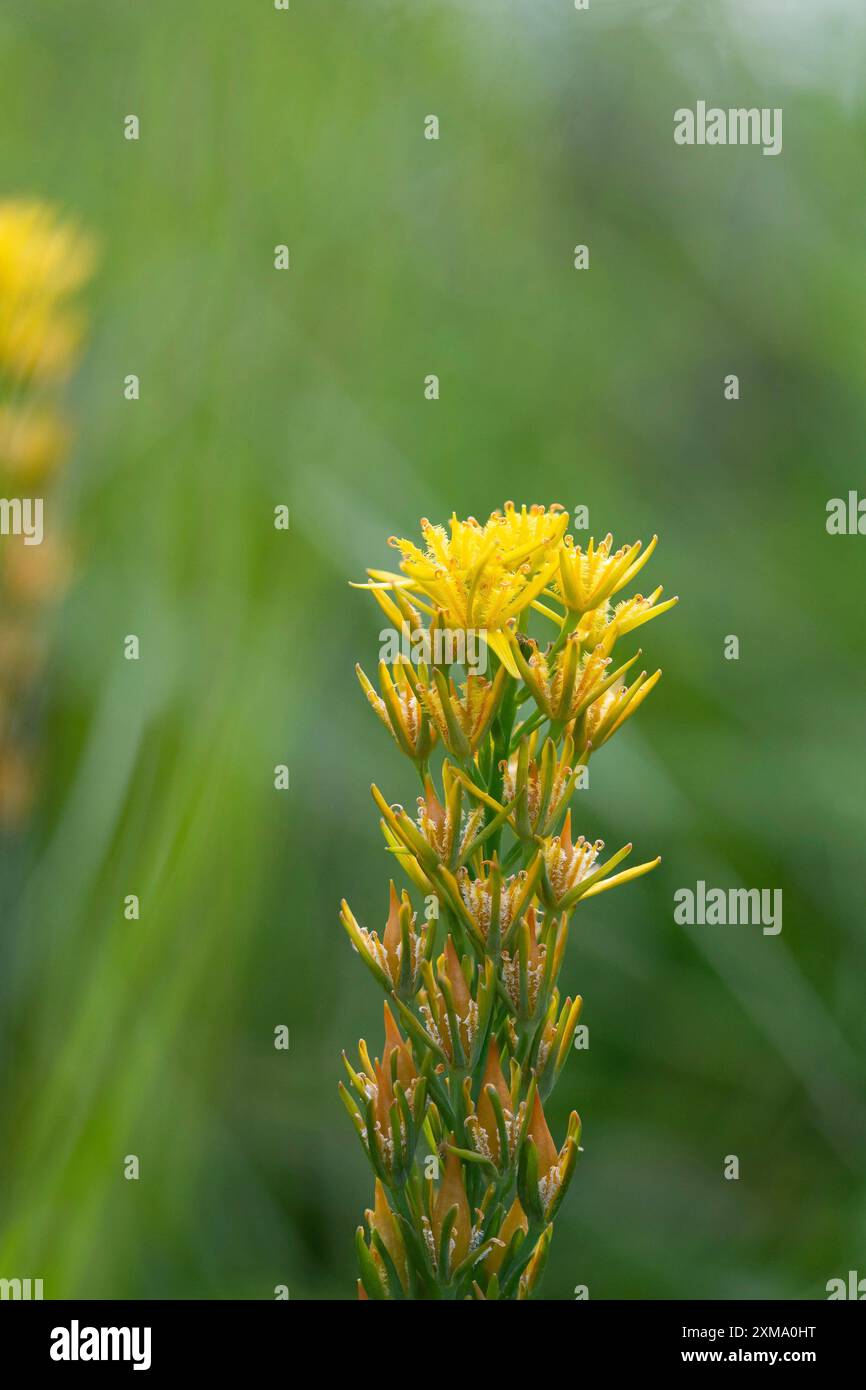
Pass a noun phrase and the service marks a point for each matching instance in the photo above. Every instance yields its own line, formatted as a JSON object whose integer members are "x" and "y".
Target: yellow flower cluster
{"x": 468, "y": 1177}
{"x": 486, "y": 578}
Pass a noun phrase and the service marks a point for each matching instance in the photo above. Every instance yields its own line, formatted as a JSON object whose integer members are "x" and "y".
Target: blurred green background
{"x": 602, "y": 388}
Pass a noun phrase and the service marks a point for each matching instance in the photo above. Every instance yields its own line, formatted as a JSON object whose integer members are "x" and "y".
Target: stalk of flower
{"x": 467, "y": 1176}
{"x": 44, "y": 262}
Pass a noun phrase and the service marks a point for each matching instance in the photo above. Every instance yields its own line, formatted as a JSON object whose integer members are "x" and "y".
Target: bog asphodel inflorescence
{"x": 468, "y": 1177}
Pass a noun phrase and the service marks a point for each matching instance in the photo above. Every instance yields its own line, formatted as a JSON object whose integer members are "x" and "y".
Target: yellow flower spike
{"x": 40, "y": 257}
{"x": 44, "y": 261}
{"x": 491, "y": 848}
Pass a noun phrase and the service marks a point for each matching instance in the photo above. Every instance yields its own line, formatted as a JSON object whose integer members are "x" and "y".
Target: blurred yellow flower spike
{"x": 32, "y": 443}
{"x": 44, "y": 262}
{"x": 468, "y": 1175}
